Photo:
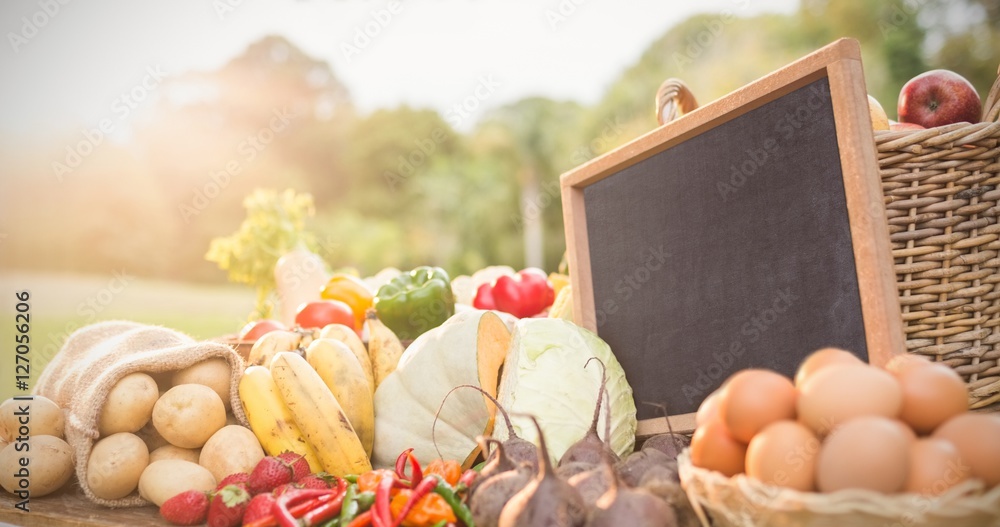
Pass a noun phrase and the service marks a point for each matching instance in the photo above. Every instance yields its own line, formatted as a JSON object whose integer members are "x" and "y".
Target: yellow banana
{"x": 270, "y": 419}
{"x": 383, "y": 346}
{"x": 348, "y": 336}
{"x": 270, "y": 343}
{"x": 344, "y": 376}
{"x": 318, "y": 414}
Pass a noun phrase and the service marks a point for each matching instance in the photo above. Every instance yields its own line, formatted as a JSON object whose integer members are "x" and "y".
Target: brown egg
{"x": 935, "y": 466}
{"x": 899, "y": 363}
{"x": 867, "y": 452}
{"x": 753, "y": 399}
{"x": 713, "y": 448}
{"x": 708, "y": 410}
{"x": 820, "y": 359}
{"x": 977, "y": 438}
{"x": 784, "y": 454}
{"x": 932, "y": 394}
{"x": 845, "y": 391}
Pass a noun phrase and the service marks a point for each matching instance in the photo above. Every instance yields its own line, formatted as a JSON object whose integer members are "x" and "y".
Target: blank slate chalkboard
{"x": 747, "y": 233}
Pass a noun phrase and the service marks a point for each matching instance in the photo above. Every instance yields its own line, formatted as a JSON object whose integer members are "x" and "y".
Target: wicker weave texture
{"x": 942, "y": 188}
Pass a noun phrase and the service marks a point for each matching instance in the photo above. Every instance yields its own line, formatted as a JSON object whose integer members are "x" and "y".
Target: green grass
{"x": 62, "y": 303}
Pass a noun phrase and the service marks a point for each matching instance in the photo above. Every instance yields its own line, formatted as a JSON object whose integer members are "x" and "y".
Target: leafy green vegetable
{"x": 274, "y": 225}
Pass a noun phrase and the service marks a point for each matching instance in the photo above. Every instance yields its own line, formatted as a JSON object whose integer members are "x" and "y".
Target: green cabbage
{"x": 544, "y": 375}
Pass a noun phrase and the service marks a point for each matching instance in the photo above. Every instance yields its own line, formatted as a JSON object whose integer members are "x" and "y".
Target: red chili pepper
{"x": 525, "y": 294}
{"x": 324, "y": 511}
{"x": 362, "y": 520}
{"x": 381, "y": 513}
{"x": 311, "y": 496}
{"x": 468, "y": 478}
{"x": 297, "y": 511}
{"x": 416, "y": 472}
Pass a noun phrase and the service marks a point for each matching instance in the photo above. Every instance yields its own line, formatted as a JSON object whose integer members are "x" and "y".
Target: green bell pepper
{"x": 415, "y": 302}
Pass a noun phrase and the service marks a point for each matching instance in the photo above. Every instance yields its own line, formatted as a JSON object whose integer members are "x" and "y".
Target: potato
{"x": 214, "y": 373}
{"x": 129, "y": 405}
{"x": 43, "y": 418}
{"x": 49, "y": 465}
{"x": 169, "y": 451}
{"x": 115, "y": 464}
{"x": 167, "y": 478}
{"x": 188, "y": 414}
{"x": 232, "y": 449}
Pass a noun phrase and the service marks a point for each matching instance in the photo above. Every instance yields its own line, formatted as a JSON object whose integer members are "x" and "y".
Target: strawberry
{"x": 316, "y": 481}
{"x": 232, "y": 479}
{"x": 228, "y": 506}
{"x": 269, "y": 473}
{"x": 187, "y": 508}
{"x": 261, "y": 506}
{"x": 300, "y": 466}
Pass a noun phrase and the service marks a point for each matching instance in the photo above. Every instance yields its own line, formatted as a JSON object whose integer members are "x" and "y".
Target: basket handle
{"x": 991, "y": 109}
{"x": 673, "y": 99}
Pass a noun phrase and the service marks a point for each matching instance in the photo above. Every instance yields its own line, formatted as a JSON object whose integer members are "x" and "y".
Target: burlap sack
{"x": 95, "y": 357}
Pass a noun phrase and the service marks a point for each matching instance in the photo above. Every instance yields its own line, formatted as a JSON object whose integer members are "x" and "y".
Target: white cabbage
{"x": 544, "y": 375}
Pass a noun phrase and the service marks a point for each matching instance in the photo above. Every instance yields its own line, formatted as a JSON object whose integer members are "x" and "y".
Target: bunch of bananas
{"x": 311, "y": 392}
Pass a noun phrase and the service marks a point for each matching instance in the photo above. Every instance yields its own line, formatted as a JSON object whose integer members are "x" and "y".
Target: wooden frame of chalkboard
{"x": 747, "y": 233}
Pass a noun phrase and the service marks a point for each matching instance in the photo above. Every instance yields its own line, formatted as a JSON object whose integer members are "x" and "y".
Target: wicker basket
{"x": 941, "y": 188}
{"x": 741, "y": 501}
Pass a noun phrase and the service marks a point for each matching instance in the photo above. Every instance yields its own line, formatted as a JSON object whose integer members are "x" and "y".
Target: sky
{"x": 67, "y": 63}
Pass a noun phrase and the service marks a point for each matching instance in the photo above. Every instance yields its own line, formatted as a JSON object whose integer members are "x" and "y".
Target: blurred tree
{"x": 538, "y": 135}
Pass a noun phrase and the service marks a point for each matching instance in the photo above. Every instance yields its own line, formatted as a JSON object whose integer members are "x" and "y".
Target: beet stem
{"x": 437, "y": 415}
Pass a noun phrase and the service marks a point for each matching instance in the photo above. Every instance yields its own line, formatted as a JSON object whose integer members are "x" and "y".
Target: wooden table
{"x": 70, "y": 508}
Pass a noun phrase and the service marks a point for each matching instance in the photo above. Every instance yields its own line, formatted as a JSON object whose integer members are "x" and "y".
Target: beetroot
{"x": 670, "y": 443}
{"x": 591, "y": 484}
{"x": 591, "y": 449}
{"x": 634, "y": 467}
{"x": 499, "y": 464}
{"x": 517, "y": 449}
{"x": 624, "y": 506}
{"x": 546, "y": 501}
{"x": 487, "y": 500}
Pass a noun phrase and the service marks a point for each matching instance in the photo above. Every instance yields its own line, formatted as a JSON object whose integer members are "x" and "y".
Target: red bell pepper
{"x": 484, "y": 297}
{"x": 525, "y": 294}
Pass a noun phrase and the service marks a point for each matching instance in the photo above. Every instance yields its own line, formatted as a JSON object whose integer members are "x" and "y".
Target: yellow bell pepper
{"x": 351, "y": 291}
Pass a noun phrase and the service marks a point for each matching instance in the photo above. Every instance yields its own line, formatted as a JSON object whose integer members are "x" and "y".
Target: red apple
{"x": 898, "y": 127}
{"x": 937, "y": 98}
{"x": 256, "y": 329}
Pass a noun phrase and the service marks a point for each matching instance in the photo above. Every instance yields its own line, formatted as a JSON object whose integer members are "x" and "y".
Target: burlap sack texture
{"x": 96, "y": 357}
